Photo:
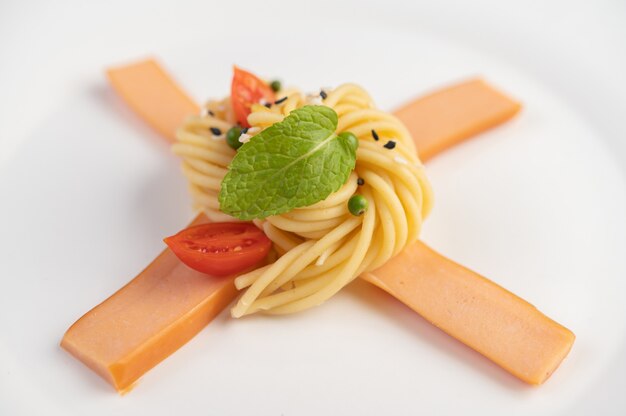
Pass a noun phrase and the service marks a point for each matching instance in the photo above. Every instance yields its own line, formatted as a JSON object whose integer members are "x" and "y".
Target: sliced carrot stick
{"x": 154, "y": 95}
{"x": 148, "y": 319}
{"x": 121, "y": 340}
{"x": 447, "y": 117}
{"x": 493, "y": 321}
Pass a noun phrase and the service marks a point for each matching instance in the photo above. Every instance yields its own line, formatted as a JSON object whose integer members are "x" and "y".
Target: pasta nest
{"x": 317, "y": 249}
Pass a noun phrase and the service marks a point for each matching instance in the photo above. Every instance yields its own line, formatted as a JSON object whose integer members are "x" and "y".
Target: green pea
{"x": 232, "y": 137}
{"x": 275, "y": 85}
{"x": 350, "y": 138}
{"x": 357, "y": 205}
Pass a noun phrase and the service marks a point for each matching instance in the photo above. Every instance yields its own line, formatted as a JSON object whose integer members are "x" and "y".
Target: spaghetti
{"x": 319, "y": 248}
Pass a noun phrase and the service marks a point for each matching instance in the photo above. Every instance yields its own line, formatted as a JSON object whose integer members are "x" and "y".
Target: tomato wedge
{"x": 221, "y": 248}
{"x": 247, "y": 89}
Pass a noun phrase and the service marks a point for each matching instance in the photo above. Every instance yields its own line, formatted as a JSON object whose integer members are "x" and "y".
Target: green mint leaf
{"x": 291, "y": 164}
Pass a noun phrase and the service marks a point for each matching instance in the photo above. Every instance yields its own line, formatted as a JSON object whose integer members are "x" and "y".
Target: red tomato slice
{"x": 247, "y": 89}
{"x": 221, "y": 248}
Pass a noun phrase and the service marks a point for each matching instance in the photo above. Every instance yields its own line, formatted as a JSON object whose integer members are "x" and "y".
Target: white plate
{"x": 537, "y": 205}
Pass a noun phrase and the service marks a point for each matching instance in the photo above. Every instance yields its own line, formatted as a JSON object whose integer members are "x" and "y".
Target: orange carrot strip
{"x": 479, "y": 313}
{"x": 447, "y": 117}
{"x": 154, "y": 95}
{"x": 145, "y": 321}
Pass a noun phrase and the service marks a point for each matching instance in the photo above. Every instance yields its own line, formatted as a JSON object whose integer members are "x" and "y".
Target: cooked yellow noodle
{"x": 322, "y": 247}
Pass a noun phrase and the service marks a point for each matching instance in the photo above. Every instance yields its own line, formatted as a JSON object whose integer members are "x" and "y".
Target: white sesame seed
{"x": 245, "y": 138}
{"x": 238, "y": 248}
{"x": 316, "y": 100}
{"x": 400, "y": 160}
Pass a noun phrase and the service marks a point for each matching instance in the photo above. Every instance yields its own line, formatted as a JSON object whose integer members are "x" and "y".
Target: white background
{"x": 50, "y": 51}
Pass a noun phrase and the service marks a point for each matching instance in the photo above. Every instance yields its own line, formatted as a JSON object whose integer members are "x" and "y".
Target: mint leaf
{"x": 291, "y": 164}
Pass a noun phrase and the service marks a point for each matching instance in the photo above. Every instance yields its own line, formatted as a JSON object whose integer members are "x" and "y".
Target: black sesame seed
{"x": 216, "y": 131}
{"x": 323, "y": 94}
{"x": 282, "y": 100}
{"x": 211, "y": 113}
{"x": 244, "y": 130}
{"x": 268, "y": 105}
{"x": 390, "y": 144}
{"x": 375, "y": 135}
{"x": 360, "y": 181}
